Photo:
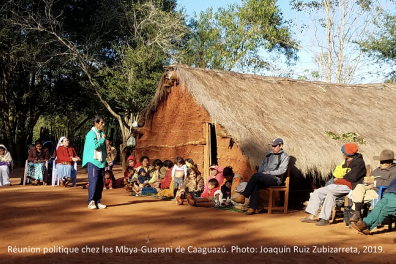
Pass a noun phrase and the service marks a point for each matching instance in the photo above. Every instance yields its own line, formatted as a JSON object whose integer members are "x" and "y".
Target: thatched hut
{"x": 211, "y": 115}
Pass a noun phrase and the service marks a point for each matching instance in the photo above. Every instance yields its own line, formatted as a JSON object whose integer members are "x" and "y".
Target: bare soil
{"x": 47, "y": 217}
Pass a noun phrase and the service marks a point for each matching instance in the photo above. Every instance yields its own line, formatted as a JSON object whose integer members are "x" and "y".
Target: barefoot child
{"x": 207, "y": 198}
{"x": 179, "y": 172}
{"x": 193, "y": 185}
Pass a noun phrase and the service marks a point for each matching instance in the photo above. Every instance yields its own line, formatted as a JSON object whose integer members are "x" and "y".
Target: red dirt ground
{"x": 46, "y": 216}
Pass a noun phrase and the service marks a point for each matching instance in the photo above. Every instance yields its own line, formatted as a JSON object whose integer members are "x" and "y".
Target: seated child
{"x": 156, "y": 174}
{"x": 179, "y": 172}
{"x": 108, "y": 181}
{"x": 144, "y": 186}
{"x": 190, "y": 164}
{"x": 216, "y": 172}
{"x": 143, "y": 178}
{"x": 192, "y": 185}
{"x": 207, "y": 198}
{"x": 168, "y": 165}
{"x": 226, "y": 191}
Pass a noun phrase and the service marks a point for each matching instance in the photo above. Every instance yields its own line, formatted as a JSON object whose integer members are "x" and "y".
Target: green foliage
{"x": 348, "y": 136}
{"x": 130, "y": 85}
{"x": 381, "y": 45}
{"x": 232, "y": 37}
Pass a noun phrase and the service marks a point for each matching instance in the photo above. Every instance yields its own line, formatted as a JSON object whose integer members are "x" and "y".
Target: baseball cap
{"x": 276, "y": 142}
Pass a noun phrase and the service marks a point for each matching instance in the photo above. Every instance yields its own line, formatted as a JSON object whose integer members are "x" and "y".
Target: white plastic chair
{"x": 44, "y": 176}
{"x": 56, "y": 178}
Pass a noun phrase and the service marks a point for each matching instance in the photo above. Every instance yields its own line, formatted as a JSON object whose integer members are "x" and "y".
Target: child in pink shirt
{"x": 216, "y": 172}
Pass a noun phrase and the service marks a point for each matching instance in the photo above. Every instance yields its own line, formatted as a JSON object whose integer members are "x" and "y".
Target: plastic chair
{"x": 381, "y": 192}
{"x": 44, "y": 176}
{"x": 55, "y": 174}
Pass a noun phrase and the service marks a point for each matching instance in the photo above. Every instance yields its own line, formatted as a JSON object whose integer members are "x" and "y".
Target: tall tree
{"x": 93, "y": 35}
{"x": 331, "y": 32}
{"x": 239, "y": 37}
{"x": 29, "y": 80}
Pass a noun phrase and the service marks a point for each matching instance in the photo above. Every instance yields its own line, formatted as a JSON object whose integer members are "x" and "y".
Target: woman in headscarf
{"x": 131, "y": 166}
{"x": 66, "y": 155}
{"x": 5, "y": 166}
{"x": 38, "y": 156}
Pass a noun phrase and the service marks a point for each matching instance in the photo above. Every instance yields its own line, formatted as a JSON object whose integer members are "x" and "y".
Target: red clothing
{"x": 108, "y": 182}
{"x": 137, "y": 164}
{"x": 219, "y": 177}
{"x": 64, "y": 155}
{"x": 209, "y": 193}
{"x": 167, "y": 180}
{"x": 343, "y": 182}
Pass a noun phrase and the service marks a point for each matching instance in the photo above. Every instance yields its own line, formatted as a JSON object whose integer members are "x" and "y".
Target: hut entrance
{"x": 213, "y": 144}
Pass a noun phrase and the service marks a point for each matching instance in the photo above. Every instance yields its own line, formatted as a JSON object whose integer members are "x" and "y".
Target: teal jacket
{"x": 91, "y": 143}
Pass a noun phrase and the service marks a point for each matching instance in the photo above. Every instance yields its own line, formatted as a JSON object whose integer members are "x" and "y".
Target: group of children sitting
{"x": 180, "y": 179}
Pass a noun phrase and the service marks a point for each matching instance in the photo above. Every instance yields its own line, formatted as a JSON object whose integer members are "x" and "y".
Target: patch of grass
{"x": 349, "y": 136}
{"x": 152, "y": 195}
{"x": 230, "y": 209}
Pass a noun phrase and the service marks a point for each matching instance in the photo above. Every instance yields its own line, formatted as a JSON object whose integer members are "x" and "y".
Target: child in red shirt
{"x": 108, "y": 181}
{"x": 208, "y": 197}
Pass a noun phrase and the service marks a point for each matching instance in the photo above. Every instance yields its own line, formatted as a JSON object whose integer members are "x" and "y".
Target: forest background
{"x": 62, "y": 61}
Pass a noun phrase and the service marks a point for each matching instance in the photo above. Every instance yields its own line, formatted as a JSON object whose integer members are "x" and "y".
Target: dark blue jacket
{"x": 392, "y": 187}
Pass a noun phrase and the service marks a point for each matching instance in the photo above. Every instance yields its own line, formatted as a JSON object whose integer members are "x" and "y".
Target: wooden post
{"x": 206, "y": 151}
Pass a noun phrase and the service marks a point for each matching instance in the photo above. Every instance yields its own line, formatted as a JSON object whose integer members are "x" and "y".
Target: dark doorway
{"x": 213, "y": 144}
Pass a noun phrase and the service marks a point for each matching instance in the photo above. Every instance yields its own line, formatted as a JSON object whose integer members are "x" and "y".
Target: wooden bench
{"x": 281, "y": 188}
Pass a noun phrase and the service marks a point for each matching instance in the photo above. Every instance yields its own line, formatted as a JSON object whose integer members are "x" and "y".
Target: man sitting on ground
{"x": 273, "y": 166}
{"x": 386, "y": 206}
{"x": 381, "y": 176}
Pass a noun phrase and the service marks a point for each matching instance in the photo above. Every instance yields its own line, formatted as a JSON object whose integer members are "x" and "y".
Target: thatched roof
{"x": 255, "y": 109}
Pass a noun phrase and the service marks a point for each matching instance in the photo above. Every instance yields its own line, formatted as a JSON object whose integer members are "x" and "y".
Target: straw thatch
{"x": 255, "y": 109}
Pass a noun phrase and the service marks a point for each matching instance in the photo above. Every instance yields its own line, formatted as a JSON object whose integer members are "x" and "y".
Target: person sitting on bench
{"x": 273, "y": 166}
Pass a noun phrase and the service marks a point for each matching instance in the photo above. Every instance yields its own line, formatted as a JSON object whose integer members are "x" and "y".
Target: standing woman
{"x": 38, "y": 156}
{"x": 66, "y": 154}
{"x": 94, "y": 158}
{"x": 5, "y": 166}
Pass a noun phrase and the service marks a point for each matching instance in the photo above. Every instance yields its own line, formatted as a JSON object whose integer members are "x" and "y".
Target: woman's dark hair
{"x": 190, "y": 161}
{"x": 179, "y": 160}
{"x": 38, "y": 142}
{"x": 143, "y": 158}
{"x": 3, "y": 148}
{"x": 168, "y": 164}
{"x": 189, "y": 170}
{"x": 96, "y": 119}
{"x": 228, "y": 171}
{"x": 157, "y": 162}
{"x": 214, "y": 182}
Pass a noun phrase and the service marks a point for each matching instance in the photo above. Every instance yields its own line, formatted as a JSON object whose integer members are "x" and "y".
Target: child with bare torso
{"x": 179, "y": 172}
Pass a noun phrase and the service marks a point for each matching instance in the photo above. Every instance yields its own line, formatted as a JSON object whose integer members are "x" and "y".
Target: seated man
{"x": 273, "y": 166}
{"x": 386, "y": 206}
{"x": 341, "y": 187}
{"x": 381, "y": 176}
